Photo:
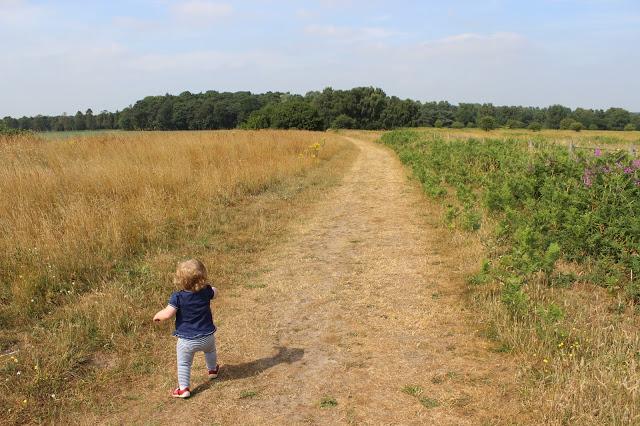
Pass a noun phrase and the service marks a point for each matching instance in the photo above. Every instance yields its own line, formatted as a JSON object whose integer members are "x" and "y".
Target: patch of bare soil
{"x": 356, "y": 319}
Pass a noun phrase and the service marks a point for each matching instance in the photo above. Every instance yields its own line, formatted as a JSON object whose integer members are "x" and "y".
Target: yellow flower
{"x": 545, "y": 361}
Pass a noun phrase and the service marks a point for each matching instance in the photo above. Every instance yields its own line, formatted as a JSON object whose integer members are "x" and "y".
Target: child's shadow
{"x": 252, "y": 368}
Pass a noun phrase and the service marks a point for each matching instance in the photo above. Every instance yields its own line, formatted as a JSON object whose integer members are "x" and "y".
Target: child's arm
{"x": 165, "y": 314}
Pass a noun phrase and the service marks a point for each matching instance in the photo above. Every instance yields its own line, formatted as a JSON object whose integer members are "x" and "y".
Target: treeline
{"x": 361, "y": 108}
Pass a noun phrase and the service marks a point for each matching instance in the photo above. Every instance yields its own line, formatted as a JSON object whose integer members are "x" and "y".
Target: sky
{"x": 64, "y": 56}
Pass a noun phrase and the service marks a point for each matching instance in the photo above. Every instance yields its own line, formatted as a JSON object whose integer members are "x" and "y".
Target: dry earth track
{"x": 361, "y": 300}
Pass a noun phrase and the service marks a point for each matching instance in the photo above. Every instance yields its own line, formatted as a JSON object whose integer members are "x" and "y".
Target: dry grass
{"x": 580, "y": 368}
{"x": 586, "y": 137}
{"x": 91, "y": 228}
{"x": 365, "y": 135}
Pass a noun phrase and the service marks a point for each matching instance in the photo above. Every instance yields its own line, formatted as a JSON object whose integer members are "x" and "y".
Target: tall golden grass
{"x": 90, "y": 228}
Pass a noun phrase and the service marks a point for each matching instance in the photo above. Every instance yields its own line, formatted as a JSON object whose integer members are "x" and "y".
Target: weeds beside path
{"x": 355, "y": 318}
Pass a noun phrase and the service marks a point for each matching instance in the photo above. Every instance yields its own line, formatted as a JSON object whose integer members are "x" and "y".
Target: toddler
{"x": 194, "y": 322}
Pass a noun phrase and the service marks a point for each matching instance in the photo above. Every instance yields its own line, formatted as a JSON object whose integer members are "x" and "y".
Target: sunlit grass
{"x": 90, "y": 229}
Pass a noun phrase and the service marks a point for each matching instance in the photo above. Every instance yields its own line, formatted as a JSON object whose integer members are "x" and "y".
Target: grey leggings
{"x": 186, "y": 349}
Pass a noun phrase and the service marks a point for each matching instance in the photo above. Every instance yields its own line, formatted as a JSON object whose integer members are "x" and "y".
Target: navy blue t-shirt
{"x": 194, "y": 318}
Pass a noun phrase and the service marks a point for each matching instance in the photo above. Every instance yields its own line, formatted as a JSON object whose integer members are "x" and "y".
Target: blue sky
{"x": 64, "y": 56}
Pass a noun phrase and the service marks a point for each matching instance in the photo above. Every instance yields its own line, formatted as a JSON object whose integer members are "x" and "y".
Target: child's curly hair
{"x": 191, "y": 275}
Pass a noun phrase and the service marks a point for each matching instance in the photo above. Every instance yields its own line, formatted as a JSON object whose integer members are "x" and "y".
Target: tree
{"x": 576, "y": 126}
{"x": 295, "y": 114}
{"x": 124, "y": 121}
{"x": 555, "y": 114}
{"x": 630, "y": 127}
{"x": 79, "y": 123}
{"x": 399, "y": 113}
{"x": 90, "y": 120}
{"x": 10, "y": 123}
{"x": 487, "y": 123}
{"x": 535, "y": 126}
{"x": 585, "y": 116}
{"x": 343, "y": 121}
{"x": 260, "y": 119}
{"x": 466, "y": 113}
{"x": 617, "y": 118}
{"x": 360, "y": 107}
{"x": 40, "y": 124}
{"x": 566, "y": 123}
{"x": 457, "y": 125}
{"x": 514, "y": 124}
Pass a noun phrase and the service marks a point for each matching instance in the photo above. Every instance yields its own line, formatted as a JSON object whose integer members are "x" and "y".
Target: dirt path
{"x": 360, "y": 302}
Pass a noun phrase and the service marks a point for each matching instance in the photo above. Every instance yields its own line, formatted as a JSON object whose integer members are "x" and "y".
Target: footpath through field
{"x": 361, "y": 302}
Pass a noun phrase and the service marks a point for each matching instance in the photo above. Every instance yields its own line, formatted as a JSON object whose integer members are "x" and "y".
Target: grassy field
{"x": 588, "y": 138}
{"x": 558, "y": 233}
{"x": 92, "y": 227}
{"x": 75, "y": 134}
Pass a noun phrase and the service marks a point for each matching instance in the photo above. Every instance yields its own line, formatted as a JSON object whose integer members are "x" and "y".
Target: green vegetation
{"x": 536, "y": 126}
{"x": 359, "y": 108}
{"x": 560, "y": 234}
{"x": 416, "y": 391}
{"x": 328, "y": 402}
{"x": 413, "y": 390}
{"x": 247, "y": 394}
{"x": 547, "y": 204}
{"x": 429, "y": 402}
{"x": 487, "y": 123}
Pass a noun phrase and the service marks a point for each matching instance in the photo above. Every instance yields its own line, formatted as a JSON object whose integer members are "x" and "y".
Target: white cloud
{"x": 19, "y": 13}
{"x": 349, "y": 34}
{"x": 136, "y": 24}
{"x": 207, "y": 61}
{"x": 201, "y": 11}
{"x": 305, "y": 14}
{"x": 473, "y": 44}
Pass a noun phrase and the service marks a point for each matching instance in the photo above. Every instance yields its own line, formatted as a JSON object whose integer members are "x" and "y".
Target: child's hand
{"x": 164, "y": 314}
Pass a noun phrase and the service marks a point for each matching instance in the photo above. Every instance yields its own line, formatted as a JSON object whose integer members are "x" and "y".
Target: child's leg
{"x": 210, "y": 354}
{"x": 185, "y": 358}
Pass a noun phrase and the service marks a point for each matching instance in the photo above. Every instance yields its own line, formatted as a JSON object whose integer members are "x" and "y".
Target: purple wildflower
{"x": 635, "y": 164}
{"x": 628, "y": 170}
{"x": 597, "y": 152}
{"x": 586, "y": 178}
{"x": 606, "y": 169}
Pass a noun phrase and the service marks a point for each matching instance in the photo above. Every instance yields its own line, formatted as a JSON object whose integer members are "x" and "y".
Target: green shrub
{"x": 487, "y": 123}
{"x": 535, "y": 126}
{"x": 567, "y": 123}
{"x": 514, "y": 124}
{"x": 576, "y": 126}
{"x": 548, "y": 205}
{"x": 343, "y": 121}
{"x": 514, "y": 297}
